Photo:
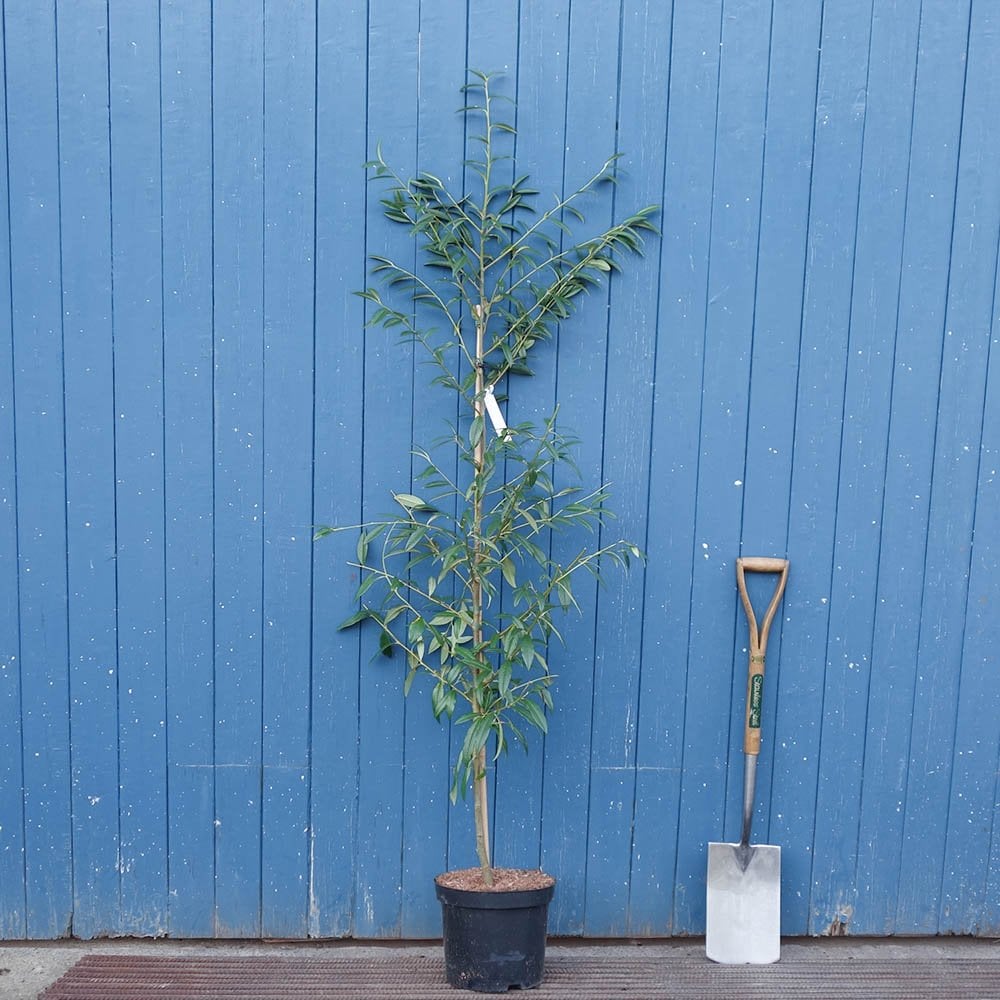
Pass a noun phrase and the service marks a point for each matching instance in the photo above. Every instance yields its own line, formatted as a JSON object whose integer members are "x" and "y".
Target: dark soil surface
{"x": 504, "y": 880}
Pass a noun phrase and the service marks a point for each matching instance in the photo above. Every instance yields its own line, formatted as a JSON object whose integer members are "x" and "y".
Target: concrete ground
{"x": 26, "y": 968}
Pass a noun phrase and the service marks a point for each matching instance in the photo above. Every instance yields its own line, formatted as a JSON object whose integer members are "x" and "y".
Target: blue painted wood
{"x": 804, "y": 364}
{"x": 729, "y": 340}
{"x": 133, "y": 44}
{"x": 543, "y": 72}
{"x": 960, "y": 352}
{"x": 427, "y": 779}
{"x": 646, "y": 31}
{"x": 188, "y": 460}
{"x": 238, "y": 191}
{"x": 877, "y": 267}
{"x": 585, "y": 383}
{"x": 832, "y": 719}
{"x": 36, "y": 321}
{"x": 690, "y": 154}
{"x": 85, "y": 181}
{"x": 388, "y": 423}
{"x": 958, "y": 500}
{"x": 978, "y": 700}
{"x": 916, "y": 370}
{"x": 784, "y": 220}
{"x": 12, "y": 856}
{"x": 341, "y": 194}
{"x": 289, "y": 158}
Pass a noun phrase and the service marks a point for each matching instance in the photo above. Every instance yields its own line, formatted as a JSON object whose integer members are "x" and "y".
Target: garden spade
{"x": 744, "y": 879}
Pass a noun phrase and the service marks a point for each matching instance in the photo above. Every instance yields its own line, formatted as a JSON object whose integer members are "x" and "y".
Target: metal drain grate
{"x": 388, "y": 977}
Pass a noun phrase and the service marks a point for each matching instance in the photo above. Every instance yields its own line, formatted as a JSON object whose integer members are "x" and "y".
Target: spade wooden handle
{"x": 758, "y": 640}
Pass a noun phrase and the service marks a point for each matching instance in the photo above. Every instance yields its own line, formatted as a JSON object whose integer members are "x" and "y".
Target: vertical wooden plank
{"x": 642, "y": 109}
{"x": 690, "y": 152}
{"x": 341, "y": 201}
{"x": 90, "y": 462}
{"x": 875, "y": 297}
{"x": 970, "y": 441}
{"x": 784, "y": 217}
{"x": 978, "y": 775}
{"x": 289, "y": 157}
{"x": 238, "y": 98}
{"x": 915, "y": 378}
{"x": 138, "y": 356}
{"x": 393, "y": 40}
{"x": 427, "y": 778}
{"x": 542, "y": 81}
{"x": 186, "y": 56}
{"x": 12, "y": 855}
{"x": 581, "y": 388}
{"x": 33, "y": 178}
{"x": 957, "y": 333}
{"x": 837, "y": 146}
{"x": 716, "y": 684}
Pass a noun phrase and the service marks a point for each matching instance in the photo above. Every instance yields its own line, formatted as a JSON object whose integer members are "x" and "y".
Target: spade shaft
{"x": 744, "y": 880}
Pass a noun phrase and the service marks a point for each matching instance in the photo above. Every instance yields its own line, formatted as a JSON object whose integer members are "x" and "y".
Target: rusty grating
{"x": 388, "y": 977}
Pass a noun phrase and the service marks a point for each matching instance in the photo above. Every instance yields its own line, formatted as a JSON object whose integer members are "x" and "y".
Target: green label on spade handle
{"x": 756, "y": 695}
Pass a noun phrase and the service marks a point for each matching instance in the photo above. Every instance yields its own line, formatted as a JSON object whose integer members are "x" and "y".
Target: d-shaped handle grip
{"x": 758, "y": 640}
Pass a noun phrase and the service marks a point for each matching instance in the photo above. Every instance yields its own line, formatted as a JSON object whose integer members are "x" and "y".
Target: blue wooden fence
{"x": 804, "y": 364}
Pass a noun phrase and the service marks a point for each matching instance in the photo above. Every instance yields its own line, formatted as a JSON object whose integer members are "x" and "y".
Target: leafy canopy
{"x": 461, "y": 578}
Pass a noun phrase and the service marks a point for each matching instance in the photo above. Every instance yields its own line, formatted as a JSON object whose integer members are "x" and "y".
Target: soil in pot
{"x": 494, "y": 938}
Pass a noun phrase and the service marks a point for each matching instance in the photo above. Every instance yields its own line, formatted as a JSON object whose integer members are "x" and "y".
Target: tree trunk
{"x": 479, "y": 790}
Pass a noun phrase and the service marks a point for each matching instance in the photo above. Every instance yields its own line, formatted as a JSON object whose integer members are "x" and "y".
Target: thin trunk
{"x": 479, "y": 790}
{"x": 480, "y": 798}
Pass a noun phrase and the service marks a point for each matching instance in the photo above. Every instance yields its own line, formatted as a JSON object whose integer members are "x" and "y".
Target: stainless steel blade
{"x": 743, "y": 919}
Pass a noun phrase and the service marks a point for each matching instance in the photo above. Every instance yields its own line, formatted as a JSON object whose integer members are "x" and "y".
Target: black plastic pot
{"x": 494, "y": 941}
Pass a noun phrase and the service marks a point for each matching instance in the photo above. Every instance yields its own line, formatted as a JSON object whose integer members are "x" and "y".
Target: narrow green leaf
{"x": 408, "y": 683}
{"x": 533, "y": 713}
{"x": 476, "y": 431}
{"x": 359, "y": 616}
{"x": 406, "y": 500}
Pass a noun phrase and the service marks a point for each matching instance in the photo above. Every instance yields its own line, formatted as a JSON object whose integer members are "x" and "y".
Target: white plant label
{"x": 496, "y": 417}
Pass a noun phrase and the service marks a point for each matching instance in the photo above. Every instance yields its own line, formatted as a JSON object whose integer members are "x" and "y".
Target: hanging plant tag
{"x": 496, "y": 417}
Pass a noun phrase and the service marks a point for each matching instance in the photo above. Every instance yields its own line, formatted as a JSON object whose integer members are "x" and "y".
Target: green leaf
{"x": 477, "y": 735}
{"x": 476, "y": 431}
{"x": 504, "y": 679}
{"x": 507, "y": 568}
{"x": 526, "y": 647}
{"x": 442, "y": 700}
{"x": 385, "y": 643}
{"x": 533, "y": 713}
{"x": 358, "y": 616}
{"x": 408, "y": 501}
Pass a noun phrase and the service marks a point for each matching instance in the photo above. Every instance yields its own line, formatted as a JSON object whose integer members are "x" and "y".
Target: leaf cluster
{"x": 494, "y": 262}
{"x": 461, "y": 577}
{"x": 424, "y": 571}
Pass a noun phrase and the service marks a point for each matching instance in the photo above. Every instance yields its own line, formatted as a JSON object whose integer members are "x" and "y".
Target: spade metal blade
{"x": 744, "y": 905}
